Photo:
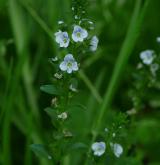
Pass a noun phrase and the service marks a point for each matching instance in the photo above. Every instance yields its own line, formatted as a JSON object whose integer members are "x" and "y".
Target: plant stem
{"x": 90, "y": 86}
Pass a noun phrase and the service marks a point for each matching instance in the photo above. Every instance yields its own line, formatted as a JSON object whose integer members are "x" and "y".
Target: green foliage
{"x": 114, "y": 97}
{"x": 51, "y": 89}
{"x": 40, "y": 151}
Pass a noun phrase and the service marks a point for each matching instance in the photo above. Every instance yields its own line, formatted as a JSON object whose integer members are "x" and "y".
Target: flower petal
{"x": 69, "y": 70}
{"x": 74, "y": 37}
{"x": 117, "y": 149}
{"x": 75, "y": 66}
{"x": 98, "y": 148}
{"x": 94, "y": 43}
{"x": 63, "y": 66}
{"x": 69, "y": 57}
{"x": 84, "y": 33}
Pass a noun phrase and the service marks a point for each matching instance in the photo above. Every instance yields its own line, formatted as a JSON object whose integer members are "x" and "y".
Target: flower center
{"x": 69, "y": 64}
{"x": 78, "y": 34}
{"x": 65, "y": 40}
{"x": 99, "y": 149}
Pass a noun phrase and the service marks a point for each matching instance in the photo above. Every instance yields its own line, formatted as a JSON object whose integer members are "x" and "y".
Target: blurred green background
{"x": 26, "y": 43}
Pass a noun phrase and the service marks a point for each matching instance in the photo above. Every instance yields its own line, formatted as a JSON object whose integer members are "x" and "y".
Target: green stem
{"x": 90, "y": 86}
{"x": 36, "y": 17}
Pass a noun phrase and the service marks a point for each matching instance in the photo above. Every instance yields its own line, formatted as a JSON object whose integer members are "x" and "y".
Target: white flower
{"x": 76, "y": 17}
{"x": 90, "y": 22}
{"x": 62, "y": 39}
{"x": 117, "y": 149}
{"x": 114, "y": 135}
{"x": 147, "y": 56}
{"x": 54, "y": 102}
{"x": 79, "y": 34}
{"x": 60, "y": 22}
{"x": 63, "y": 116}
{"x": 72, "y": 88}
{"x": 131, "y": 111}
{"x": 94, "y": 43}
{"x": 106, "y": 130}
{"x": 69, "y": 64}
{"x": 73, "y": 8}
{"x": 98, "y": 148}
{"x": 158, "y": 39}
{"x": 49, "y": 157}
{"x": 54, "y": 59}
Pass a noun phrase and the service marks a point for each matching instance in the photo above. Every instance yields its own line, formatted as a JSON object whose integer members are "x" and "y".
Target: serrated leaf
{"x": 40, "y": 151}
{"x": 51, "y": 89}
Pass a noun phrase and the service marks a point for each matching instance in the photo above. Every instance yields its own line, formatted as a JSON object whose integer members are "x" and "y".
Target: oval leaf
{"x": 40, "y": 151}
{"x": 51, "y": 89}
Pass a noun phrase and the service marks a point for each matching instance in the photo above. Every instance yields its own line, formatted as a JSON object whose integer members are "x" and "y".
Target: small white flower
{"x": 106, "y": 130}
{"x": 62, "y": 39}
{"x": 60, "y": 22}
{"x": 131, "y": 111}
{"x": 114, "y": 135}
{"x": 54, "y": 102}
{"x": 54, "y": 59}
{"x": 79, "y": 34}
{"x": 49, "y": 157}
{"x": 72, "y": 88}
{"x": 147, "y": 56}
{"x": 76, "y": 17}
{"x": 67, "y": 133}
{"x": 117, "y": 149}
{"x": 94, "y": 43}
{"x": 158, "y": 39}
{"x": 73, "y": 8}
{"x": 90, "y": 22}
{"x": 98, "y": 148}
{"x": 69, "y": 64}
{"x": 63, "y": 116}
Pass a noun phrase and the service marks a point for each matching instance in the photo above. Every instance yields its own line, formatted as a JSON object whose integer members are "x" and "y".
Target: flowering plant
{"x": 76, "y": 41}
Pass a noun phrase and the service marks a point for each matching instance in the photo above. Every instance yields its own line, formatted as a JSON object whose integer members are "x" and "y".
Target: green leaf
{"x": 53, "y": 115}
{"x": 51, "y": 112}
{"x": 51, "y": 89}
{"x": 40, "y": 151}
